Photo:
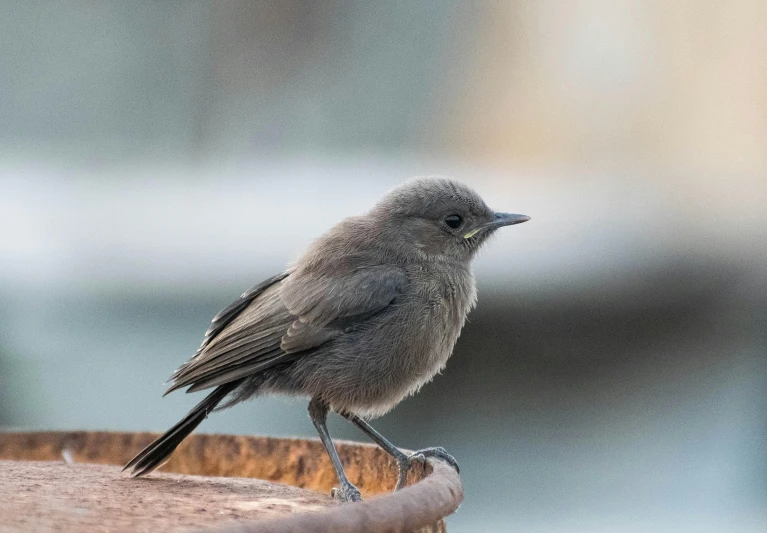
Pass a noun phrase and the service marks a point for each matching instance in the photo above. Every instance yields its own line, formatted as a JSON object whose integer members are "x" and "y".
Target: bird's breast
{"x": 448, "y": 296}
{"x": 399, "y": 350}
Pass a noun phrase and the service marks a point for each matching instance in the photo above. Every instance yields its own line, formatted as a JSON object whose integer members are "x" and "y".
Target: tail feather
{"x": 157, "y": 453}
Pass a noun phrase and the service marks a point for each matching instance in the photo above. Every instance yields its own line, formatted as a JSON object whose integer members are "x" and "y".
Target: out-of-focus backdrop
{"x": 158, "y": 158}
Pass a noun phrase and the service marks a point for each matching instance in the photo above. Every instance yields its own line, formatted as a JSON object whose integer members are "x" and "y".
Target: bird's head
{"x": 440, "y": 217}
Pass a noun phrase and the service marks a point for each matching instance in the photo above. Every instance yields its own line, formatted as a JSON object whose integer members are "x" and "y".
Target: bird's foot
{"x": 347, "y": 493}
{"x": 420, "y": 456}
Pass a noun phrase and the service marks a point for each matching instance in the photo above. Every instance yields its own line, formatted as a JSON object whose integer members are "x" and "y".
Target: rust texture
{"x": 435, "y": 489}
{"x": 45, "y": 496}
{"x": 297, "y": 462}
{"x": 417, "y": 508}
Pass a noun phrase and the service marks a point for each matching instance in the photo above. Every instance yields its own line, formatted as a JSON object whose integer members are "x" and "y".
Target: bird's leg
{"x": 404, "y": 461}
{"x": 318, "y": 412}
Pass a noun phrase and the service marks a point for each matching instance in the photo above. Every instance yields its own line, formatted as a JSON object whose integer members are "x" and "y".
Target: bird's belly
{"x": 375, "y": 369}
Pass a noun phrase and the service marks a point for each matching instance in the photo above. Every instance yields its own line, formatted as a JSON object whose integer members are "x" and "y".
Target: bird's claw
{"x": 420, "y": 456}
{"x": 347, "y": 493}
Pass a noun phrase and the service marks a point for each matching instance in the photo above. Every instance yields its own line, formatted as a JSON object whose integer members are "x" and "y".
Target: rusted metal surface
{"x": 47, "y": 496}
{"x": 435, "y": 489}
{"x": 419, "y": 507}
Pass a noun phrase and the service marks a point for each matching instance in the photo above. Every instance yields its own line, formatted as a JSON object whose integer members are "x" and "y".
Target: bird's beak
{"x": 501, "y": 219}
{"x": 507, "y": 219}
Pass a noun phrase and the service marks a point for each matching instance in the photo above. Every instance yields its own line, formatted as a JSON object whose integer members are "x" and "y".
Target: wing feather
{"x": 327, "y": 306}
{"x": 244, "y": 370}
{"x": 287, "y": 316}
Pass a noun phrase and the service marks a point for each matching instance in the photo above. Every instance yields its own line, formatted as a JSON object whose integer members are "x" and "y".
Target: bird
{"x": 366, "y": 316}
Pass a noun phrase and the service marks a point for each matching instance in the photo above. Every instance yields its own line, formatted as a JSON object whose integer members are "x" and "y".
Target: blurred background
{"x": 158, "y": 158}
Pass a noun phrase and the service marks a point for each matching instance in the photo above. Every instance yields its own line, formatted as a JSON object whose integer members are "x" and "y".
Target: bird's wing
{"x": 286, "y": 317}
{"x": 244, "y": 334}
{"x": 326, "y": 306}
{"x": 229, "y": 313}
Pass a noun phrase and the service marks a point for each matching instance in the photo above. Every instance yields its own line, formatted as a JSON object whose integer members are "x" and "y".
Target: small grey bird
{"x": 366, "y": 316}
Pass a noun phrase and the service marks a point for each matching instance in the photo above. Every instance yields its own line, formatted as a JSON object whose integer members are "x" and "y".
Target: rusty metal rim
{"x": 412, "y": 508}
{"x": 436, "y": 490}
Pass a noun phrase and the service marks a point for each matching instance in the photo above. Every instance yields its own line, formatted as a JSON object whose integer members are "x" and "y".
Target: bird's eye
{"x": 453, "y": 221}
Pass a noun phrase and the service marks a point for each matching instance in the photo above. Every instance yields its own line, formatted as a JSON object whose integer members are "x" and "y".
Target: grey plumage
{"x": 367, "y": 315}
